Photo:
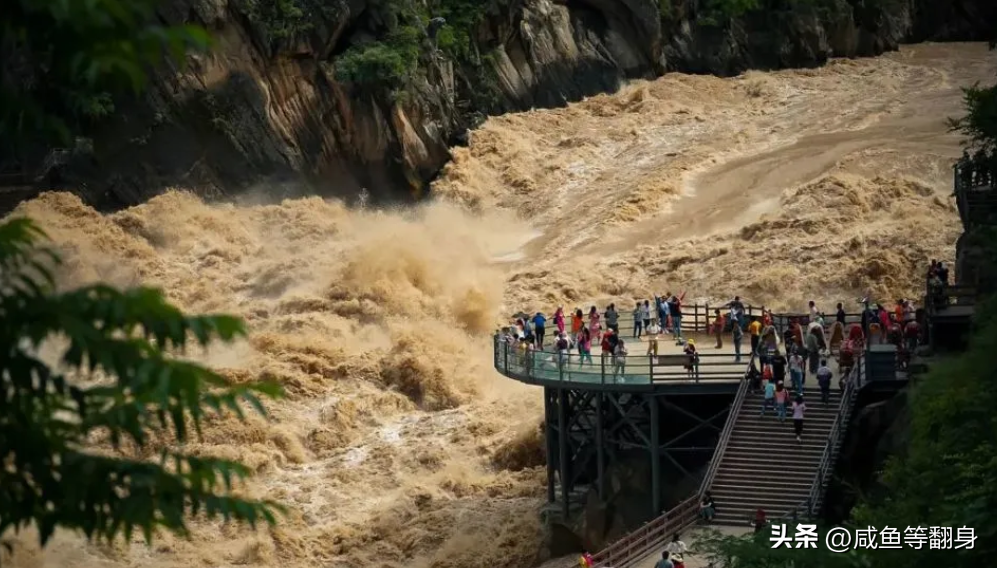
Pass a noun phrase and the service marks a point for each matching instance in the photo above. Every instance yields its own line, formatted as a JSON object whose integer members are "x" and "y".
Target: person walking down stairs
{"x": 799, "y": 407}
{"x": 769, "y": 400}
{"x": 824, "y": 376}
{"x": 665, "y": 562}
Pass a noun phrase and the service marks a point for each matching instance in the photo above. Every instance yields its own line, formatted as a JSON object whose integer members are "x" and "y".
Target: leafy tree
{"x": 117, "y": 380}
{"x": 979, "y": 124}
{"x": 62, "y": 61}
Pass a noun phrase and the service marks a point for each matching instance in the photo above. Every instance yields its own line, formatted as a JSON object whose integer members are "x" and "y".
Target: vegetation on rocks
{"x": 62, "y": 62}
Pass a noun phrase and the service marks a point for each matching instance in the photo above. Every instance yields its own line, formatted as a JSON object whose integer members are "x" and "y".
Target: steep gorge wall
{"x": 257, "y": 109}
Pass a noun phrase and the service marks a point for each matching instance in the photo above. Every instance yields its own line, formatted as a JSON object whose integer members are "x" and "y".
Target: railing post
{"x": 602, "y": 364}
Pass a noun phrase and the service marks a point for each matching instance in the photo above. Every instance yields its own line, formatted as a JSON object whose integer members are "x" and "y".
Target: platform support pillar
{"x": 562, "y": 443}
{"x": 655, "y": 458}
{"x": 549, "y": 416}
{"x": 600, "y": 455}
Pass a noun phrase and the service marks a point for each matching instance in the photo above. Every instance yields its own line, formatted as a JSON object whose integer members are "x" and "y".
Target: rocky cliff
{"x": 369, "y": 94}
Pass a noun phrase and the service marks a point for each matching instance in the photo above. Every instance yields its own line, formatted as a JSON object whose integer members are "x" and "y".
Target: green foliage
{"x": 116, "y": 380}
{"x": 73, "y": 55}
{"x": 979, "y": 124}
{"x": 665, "y": 9}
{"x": 389, "y": 63}
{"x": 947, "y": 475}
{"x": 283, "y": 19}
{"x": 716, "y": 12}
{"x": 462, "y": 16}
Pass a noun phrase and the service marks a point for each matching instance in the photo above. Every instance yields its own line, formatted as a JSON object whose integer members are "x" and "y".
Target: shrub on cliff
{"x": 116, "y": 381}
{"x": 389, "y": 63}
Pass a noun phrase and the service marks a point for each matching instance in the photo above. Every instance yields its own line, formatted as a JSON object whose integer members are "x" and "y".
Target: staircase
{"x": 764, "y": 467}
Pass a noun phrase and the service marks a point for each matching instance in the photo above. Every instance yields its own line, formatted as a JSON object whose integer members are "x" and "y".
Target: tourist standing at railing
{"x": 559, "y": 319}
{"x": 619, "y": 360}
{"x": 653, "y": 331}
{"x": 692, "y": 362}
{"x": 595, "y": 328}
{"x": 736, "y": 307}
{"x": 675, "y": 307}
{"x": 638, "y": 320}
{"x": 539, "y": 329}
{"x": 813, "y": 310}
{"x": 839, "y": 315}
{"x": 718, "y": 328}
{"x": 577, "y": 322}
{"x": 799, "y": 408}
{"x": 612, "y": 319}
{"x": 562, "y": 345}
{"x": 585, "y": 347}
{"x": 645, "y": 314}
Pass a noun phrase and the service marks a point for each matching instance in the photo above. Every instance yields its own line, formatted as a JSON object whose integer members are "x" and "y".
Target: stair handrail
{"x": 847, "y": 396}
{"x": 725, "y": 435}
{"x": 637, "y": 543}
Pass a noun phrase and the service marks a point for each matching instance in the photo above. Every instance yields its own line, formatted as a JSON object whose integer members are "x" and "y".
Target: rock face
{"x": 260, "y": 110}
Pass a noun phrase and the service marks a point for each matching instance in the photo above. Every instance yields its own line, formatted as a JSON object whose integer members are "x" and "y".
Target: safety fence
{"x": 810, "y": 507}
{"x": 654, "y": 534}
{"x": 528, "y": 365}
{"x": 649, "y": 537}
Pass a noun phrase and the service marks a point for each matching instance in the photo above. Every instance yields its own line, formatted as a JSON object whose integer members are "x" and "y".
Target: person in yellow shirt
{"x": 755, "y": 329}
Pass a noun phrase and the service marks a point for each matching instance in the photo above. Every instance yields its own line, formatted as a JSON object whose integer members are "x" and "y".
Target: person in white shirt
{"x": 676, "y": 546}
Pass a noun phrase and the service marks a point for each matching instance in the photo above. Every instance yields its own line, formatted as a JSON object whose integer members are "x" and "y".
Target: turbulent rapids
{"x": 398, "y": 445}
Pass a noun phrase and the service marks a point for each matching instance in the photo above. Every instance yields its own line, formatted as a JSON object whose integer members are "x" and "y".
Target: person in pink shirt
{"x": 559, "y": 319}
{"x": 799, "y": 407}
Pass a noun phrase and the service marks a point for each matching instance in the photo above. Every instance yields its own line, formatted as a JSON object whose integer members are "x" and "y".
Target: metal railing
{"x": 640, "y": 542}
{"x": 817, "y": 488}
{"x": 728, "y": 431}
{"x": 637, "y": 544}
{"x": 532, "y": 366}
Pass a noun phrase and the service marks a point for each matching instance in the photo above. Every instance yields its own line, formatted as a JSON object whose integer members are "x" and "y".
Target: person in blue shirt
{"x": 539, "y": 323}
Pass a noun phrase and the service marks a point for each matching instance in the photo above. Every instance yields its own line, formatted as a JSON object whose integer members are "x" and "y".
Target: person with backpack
{"x": 562, "y": 345}
{"x": 612, "y": 319}
{"x": 769, "y": 387}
